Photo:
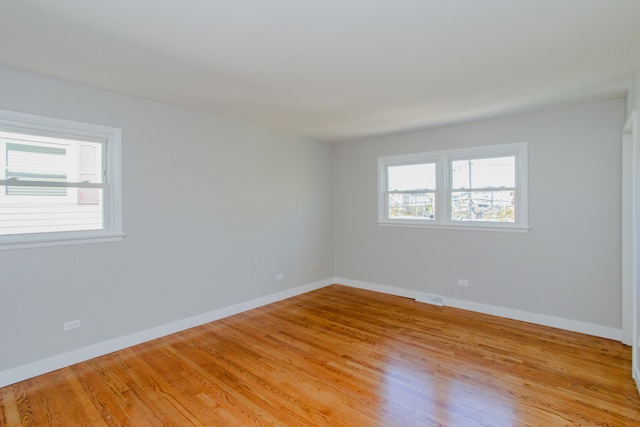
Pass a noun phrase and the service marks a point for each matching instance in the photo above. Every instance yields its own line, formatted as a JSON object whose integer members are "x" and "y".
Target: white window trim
{"x": 443, "y": 187}
{"x": 48, "y": 126}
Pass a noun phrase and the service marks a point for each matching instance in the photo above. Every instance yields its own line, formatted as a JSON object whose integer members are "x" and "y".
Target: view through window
{"x": 50, "y": 184}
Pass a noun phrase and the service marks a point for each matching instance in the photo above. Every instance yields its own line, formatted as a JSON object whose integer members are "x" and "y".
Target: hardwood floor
{"x": 342, "y": 357}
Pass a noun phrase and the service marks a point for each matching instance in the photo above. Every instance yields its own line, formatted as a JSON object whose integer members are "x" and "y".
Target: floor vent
{"x": 429, "y": 299}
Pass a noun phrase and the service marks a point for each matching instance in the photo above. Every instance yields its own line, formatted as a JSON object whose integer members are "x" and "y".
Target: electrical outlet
{"x": 313, "y": 269}
{"x": 463, "y": 282}
{"x": 73, "y": 324}
{"x": 279, "y": 276}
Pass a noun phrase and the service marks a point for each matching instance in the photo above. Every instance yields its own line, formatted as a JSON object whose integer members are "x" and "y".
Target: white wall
{"x": 635, "y": 91}
{"x": 633, "y": 96}
{"x": 633, "y": 104}
{"x": 567, "y": 266}
{"x": 213, "y": 210}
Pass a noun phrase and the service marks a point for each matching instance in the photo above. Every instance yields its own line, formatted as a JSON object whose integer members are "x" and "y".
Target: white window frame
{"x": 443, "y": 192}
{"x": 111, "y": 138}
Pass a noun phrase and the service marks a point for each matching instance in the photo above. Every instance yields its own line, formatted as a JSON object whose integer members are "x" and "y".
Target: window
{"x": 479, "y": 188}
{"x": 59, "y": 182}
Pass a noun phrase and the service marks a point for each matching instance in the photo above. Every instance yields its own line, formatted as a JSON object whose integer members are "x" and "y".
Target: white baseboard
{"x": 636, "y": 377}
{"x": 525, "y": 316}
{"x": 53, "y": 363}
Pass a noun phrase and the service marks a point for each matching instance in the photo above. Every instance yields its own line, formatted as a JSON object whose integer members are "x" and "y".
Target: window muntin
{"x": 481, "y": 187}
{"x": 59, "y": 182}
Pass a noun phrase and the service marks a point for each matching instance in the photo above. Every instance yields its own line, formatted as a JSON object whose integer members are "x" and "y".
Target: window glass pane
{"x": 26, "y": 209}
{"x": 484, "y": 173}
{"x": 489, "y": 206}
{"x": 412, "y": 206}
{"x": 411, "y": 177}
{"x": 48, "y": 214}
{"x": 34, "y": 158}
{"x": 89, "y": 167}
{"x": 35, "y": 163}
{"x": 90, "y": 162}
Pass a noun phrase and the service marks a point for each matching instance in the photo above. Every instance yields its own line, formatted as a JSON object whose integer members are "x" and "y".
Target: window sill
{"x": 43, "y": 241}
{"x": 466, "y": 227}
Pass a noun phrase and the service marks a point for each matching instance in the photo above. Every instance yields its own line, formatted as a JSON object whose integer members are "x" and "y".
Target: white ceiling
{"x": 333, "y": 69}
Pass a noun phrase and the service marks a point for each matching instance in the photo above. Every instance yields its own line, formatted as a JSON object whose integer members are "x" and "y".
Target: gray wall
{"x": 567, "y": 265}
{"x": 633, "y": 96}
{"x": 633, "y": 104}
{"x": 213, "y": 210}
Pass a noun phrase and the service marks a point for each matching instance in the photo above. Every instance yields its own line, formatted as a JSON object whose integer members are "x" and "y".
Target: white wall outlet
{"x": 73, "y": 324}
{"x": 463, "y": 282}
{"x": 279, "y": 276}
{"x": 313, "y": 269}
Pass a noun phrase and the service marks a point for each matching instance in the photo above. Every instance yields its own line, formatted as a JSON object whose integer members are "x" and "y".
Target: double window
{"x": 59, "y": 182}
{"x": 481, "y": 188}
